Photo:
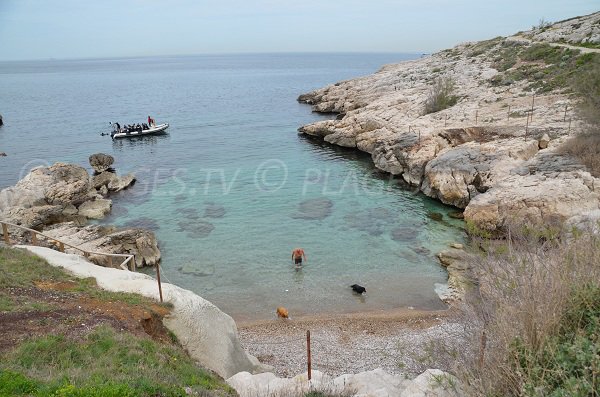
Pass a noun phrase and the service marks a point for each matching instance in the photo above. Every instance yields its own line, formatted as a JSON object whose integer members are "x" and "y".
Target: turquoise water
{"x": 232, "y": 188}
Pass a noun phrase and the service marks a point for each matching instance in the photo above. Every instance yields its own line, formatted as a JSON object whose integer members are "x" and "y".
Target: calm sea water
{"x": 232, "y": 189}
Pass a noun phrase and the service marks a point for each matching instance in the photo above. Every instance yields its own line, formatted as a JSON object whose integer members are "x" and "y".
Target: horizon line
{"x": 216, "y": 54}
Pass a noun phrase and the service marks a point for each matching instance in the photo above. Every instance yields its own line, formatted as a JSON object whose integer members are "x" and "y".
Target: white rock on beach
{"x": 375, "y": 383}
{"x": 209, "y": 335}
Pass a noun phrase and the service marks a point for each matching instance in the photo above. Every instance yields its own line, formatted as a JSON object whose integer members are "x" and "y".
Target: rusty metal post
{"x": 159, "y": 285}
{"x": 527, "y": 127}
{"x": 508, "y": 114}
{"x": 569, "y": 125}
{"x": 132, "y": 264}
{"x": 34, "y": 238}
{"x": 61, "y": 246}
{"x": 5, "y": 232}
{"x": 308, "y": 354}
{"x": 446, "y": 120}
{"x": 476, "y": 116}
{"x": 532, "y": 102}
{"x": 110, "y": 261}
{"x": 565, "y": 116}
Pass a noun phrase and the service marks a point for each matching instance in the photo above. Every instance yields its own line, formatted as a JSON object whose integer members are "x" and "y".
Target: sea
{"x": 231, "y": 188}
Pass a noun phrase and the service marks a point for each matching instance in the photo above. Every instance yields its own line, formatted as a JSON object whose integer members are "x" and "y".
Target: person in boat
{"x": 144, "y": 126}
{"x": 150, "y": 121}
{"x": 118, "y": 127}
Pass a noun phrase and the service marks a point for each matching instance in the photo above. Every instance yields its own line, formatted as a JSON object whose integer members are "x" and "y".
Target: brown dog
{"x": 282, "y": 312}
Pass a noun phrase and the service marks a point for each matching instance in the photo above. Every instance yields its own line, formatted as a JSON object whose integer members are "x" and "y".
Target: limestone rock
{"x": 457, "y": 263}
{"x": 376, "y": 383}
{"x": 96, "y": 209}
{"x": 103, "y": 179}
{"x": 543, "y": 141}
{"x": 473, "y": 155}
{"x": 108, "y": 239}
{"x": 533, "y": 199}
{"x": 120, "y": 183}
{"x": 101, "y": 162}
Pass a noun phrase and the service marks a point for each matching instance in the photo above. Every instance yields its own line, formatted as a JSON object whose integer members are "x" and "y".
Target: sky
{"x": 63, "y": 29}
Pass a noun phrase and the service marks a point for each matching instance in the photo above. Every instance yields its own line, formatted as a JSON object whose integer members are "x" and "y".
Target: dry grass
{"x": 586, "y": 149}
{"x": 526, "y": 289}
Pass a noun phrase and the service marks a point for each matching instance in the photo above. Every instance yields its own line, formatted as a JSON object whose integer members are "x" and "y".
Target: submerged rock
{"x": 197, "y": 269}
{"x": 189, "y": 213}
{"x": 405, "y": 233}
{"x": 314, "y": 209}
{"x": 374, "y": 221}
{"x": 143, "y": 223}
{"x": 436, "y": 216}
{"x": 196, "y": 229}
{"x": 213, "y": 210}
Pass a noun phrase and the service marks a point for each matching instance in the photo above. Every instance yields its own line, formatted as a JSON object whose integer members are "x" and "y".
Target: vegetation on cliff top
{"x": 64, "y": 337}
{"x": 535, "y": 316}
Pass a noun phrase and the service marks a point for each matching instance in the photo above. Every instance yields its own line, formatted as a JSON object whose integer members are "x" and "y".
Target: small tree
{"x": 441, "y": 95}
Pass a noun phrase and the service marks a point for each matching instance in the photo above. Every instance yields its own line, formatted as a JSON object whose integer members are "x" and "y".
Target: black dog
{"x": 358, "y": 289}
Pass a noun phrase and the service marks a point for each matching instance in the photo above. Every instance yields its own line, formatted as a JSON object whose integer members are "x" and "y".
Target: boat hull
{"x": 157, "y": 129}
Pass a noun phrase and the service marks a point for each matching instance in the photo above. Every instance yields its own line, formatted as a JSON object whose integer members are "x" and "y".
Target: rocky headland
{"x": 496, "y": 153}
{"x": 60, "y": 199}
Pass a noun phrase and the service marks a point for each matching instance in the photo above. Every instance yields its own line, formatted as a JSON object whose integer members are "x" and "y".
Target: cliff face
{"x": 496, "y": 152}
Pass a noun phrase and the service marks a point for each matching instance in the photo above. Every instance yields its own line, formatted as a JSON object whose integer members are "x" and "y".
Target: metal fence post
{"x": 308, "y": 354}
{"x": 159, "y": 285}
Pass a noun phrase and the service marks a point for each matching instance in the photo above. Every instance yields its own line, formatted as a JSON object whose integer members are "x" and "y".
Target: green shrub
{"x": 568, "y": 364}
{"x": 441, "y": 95}
{"x": 586, "y": 84}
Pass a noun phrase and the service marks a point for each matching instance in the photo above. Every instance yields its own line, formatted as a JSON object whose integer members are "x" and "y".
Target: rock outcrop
{"x": 108, "y": 239}
{"x": 209, "y": 335}
{"x": 376, "y": 383}
{"x": 101, "y": 162}
{"x": 457, "y": 263}
{"x": 495, "y": 153}
{"x": 61, "y": 198}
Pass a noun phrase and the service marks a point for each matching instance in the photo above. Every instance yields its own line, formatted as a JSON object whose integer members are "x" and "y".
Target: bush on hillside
{"x": 535, "y": 320}
{"x": 441, "y": 96}
{"x": 585, "y": 148}
{"x": 587, "y": 85}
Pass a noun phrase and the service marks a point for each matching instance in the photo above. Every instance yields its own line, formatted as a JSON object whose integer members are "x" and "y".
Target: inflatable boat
{"x": 153, "y": 130}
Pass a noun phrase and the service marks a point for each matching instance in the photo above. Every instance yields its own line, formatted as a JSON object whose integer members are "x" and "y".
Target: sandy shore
{"x": 401, "y": 342}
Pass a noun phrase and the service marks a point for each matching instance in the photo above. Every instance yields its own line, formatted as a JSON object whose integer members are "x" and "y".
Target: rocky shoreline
{"x": 496, "y": 153}
{"x": 59, "y": 200}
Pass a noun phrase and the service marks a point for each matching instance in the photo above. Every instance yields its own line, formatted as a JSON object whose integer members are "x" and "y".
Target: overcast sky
{"x": 42, "y": 29}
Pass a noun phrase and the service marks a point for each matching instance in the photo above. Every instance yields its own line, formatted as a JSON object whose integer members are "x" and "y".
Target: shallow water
{"x": 232, "y": 188}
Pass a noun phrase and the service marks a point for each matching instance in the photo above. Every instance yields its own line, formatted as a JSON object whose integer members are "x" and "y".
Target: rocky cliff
{"x": 496, "y": 152}
{"x": 60, "y": 199}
